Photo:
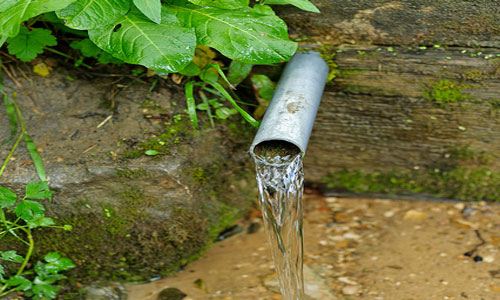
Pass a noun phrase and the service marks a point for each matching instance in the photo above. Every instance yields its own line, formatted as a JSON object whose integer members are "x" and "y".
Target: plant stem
{"x": 6, "y": 292}
{"x": 30, "y": 251}
{"x": 11, "y": 153}
{"x": 66, "y": 55}
{"x": 209, "y": 111}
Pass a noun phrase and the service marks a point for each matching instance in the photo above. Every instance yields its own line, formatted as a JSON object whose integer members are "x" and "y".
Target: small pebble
{"x": 350, "y": 290}
{"x": 489, "y": 259}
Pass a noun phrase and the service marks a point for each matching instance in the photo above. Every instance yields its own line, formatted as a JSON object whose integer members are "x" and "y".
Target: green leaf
{"x": 225, "y": 112}
{"x": 68, "y": 227}
{"x": 22, "y": 10}
{"x": 40, "y": 221}
{"x": 19, "y": 282}
{"x": 2, "y": 272}
{"x": 238, "y": 71}
{"x": 203, "y": 106}
{"x": 151, "y": 152}
{"x": 209, "y": 75}
{"x": 226, "y": 4}
{"x": 4, "y": 4}
{"x": 28, "y": 209}
{"x": 56, "y": 263}
{"x": 264, "y": 9}
{"x": 7, "y": 197}
{"x": 10, "y": 110}
{"x": 228, "y": 97}
{"x": 150, "y": 8}
{"x": 45, "y": 291}
{"x": 302, "y": 4}
{"x": 35, "y": 156}
{"x": 191, "y": 105}
{"x": 87, "y": 48}
{"x": 191, "y": 70}
{"x": 263, "y": 86}
{"x": 48, "y": 278}
{"x": 90, "y": 14}
{"x": 52, "y": 257}
{"x": 38, "y": 190}
{"x": 28, "y": 44}
{"x": 165, "y": 47}
{"x": 11, "y": 256}
{"x": 243, "y": 34}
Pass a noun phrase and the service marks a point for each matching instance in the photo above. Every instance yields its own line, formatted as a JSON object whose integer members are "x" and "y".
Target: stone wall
{"x": 416, "y": 88}
{"x": 134, "y": 216}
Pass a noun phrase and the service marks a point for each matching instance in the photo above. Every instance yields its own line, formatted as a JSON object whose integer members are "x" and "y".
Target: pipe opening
{"x": 275, "y": 152}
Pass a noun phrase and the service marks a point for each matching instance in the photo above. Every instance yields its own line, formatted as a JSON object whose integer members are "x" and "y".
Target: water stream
{"x": 280, "y": 180}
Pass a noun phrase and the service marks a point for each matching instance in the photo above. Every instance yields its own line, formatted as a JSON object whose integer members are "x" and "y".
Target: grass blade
{"x": 243, "y": 113}
{"x": 35, "y": 156}
{"x": 191, "y": 105}
{"x": 209, "y": 111}
{"x": 11, "y": 114}
{"x": 222, "y": 75}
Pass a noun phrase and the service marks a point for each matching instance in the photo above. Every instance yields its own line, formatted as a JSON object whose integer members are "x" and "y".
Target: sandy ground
{"x": 359, "y": 249}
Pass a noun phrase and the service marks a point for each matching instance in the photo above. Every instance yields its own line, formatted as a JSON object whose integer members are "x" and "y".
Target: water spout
{"x": 278, "y": 149}
{"x": 290, "y": 116}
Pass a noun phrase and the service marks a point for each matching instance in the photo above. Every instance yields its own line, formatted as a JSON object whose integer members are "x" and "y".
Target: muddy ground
{"x": 358, "y": 248}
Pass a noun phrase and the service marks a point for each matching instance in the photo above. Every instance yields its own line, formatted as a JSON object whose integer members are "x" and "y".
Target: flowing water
{"x": 280, "y": 179}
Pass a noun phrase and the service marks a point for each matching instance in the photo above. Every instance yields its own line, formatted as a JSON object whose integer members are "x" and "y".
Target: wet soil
{"x": 359, "y": 248}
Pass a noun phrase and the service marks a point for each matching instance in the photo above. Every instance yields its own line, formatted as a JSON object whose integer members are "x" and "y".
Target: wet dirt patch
{"x": 360, "y": 249}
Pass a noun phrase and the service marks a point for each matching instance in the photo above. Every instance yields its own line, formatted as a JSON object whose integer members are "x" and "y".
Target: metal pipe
{"x": 291, "y": 113}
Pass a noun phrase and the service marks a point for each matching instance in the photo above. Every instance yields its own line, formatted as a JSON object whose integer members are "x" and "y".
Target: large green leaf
{"x": 165, "y": 47}
{"x": 88, "y": 14}
{"x": 227, "y": 4}
{"x": 22, "y": 10}
{"x": 4, "y": 4}
{"x": 302, "y": 4}
{"x": 150, "y": 8}
{"x": 242, "y": 34}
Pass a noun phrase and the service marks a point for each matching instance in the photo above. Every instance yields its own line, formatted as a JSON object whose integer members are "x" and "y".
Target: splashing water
{"x": 280, "y": 181}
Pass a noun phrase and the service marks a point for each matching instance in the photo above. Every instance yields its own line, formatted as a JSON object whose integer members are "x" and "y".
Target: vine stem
{"x": 11, "y": 153}
{"x": 29, "y": 253}
{"x": 21, "y": 135}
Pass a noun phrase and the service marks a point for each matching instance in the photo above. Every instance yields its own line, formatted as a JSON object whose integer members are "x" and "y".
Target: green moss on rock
{"x": 456, "y": 183}
{"x": 446, "y": 91}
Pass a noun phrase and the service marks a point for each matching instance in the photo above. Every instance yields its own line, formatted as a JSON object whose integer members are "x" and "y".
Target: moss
{"x": 349, "y": 72}
{"x": 198, "y": 175}
{"x": 446, "y": 91}
{"x": 327, "y": 52}
{"x": 128, "y": 173}
{"x": 456, "y": 183}
{"x": 461, "y": 153}
{"x": 476, "y": 75}
{"x": 175, "y": 132}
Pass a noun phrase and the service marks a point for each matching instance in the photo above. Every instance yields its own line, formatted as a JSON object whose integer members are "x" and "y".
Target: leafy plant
{"x": 20, "y": 216}
{"x": 160, "y": 35}
{"x": 29, "y": 215}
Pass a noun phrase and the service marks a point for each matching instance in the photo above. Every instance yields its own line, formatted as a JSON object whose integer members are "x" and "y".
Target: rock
{"x": 134, "y": 216}
{"x": 253, "y": 228}
{"x": 171, "y": 294}
{"x": 113, "y": 291}
{"x": 350, "y": 290}
{"x": 372, "y": 22}
{"x": 351, "y": 236}
{"x": 415, "y": 215}
{"x": 489, "y": 258}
